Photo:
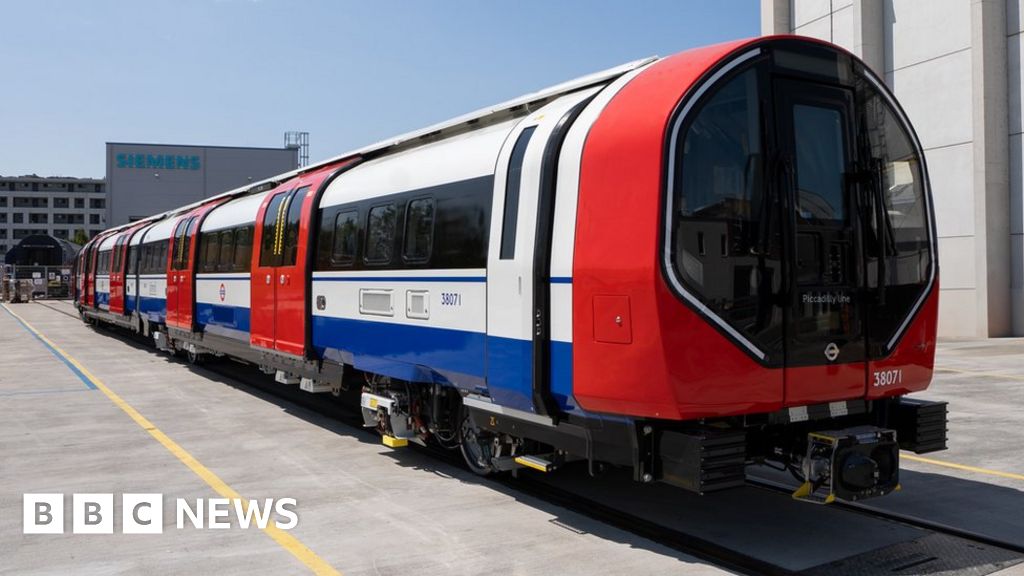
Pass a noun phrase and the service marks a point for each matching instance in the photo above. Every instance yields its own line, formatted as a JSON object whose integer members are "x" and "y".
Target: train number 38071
{"x": 888, "y": 378}
{"x": 451, "y": 299}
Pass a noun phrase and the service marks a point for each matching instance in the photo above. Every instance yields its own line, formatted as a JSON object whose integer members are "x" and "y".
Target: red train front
{"x": 684, "y": 266}
{"x": 767, "y": 242}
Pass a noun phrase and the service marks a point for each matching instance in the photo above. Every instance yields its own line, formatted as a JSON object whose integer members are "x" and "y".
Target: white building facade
{"x": 58, "y": 207}
{"x": 955, "y": 66}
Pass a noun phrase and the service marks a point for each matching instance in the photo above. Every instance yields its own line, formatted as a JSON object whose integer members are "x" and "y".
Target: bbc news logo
{"x": 144, "y": 513}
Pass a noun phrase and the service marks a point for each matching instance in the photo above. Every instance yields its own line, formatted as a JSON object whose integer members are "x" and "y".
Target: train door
{"x": 291, "y": 273}
{"x": 824, "y": 320}
{"x": 90, "y": 278}
{"x": 264, "y": 282}
{"x": 177, "y": 259}
{"x": 117, "y": 276}
{"x": 279, "y": 277}
{"x": 510, "y": 272}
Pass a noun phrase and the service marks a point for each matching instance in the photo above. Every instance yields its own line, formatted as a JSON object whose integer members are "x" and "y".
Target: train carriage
{"x": 683, "y": 265}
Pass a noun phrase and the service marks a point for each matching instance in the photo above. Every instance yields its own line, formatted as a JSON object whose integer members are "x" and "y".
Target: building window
{"x": 3, "y": 217}
{"x": 97, "y": 203}
{"x": 94, "y": 218}
{"x": 36, "y": 218}
{"x": 23, "y": 202}
{"x": 69, "y": 219}
{"x": 63, "y": 234}
{"x": 18, "y": 218}
{"x": 3, "y": 233}
{"x": 60, "y": 202}
{"x": 79, "y": 202}
{"x": 3, "y": 201}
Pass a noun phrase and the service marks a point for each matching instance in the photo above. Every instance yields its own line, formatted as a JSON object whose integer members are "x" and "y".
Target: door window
{"x": 820, "y": 163}
{"x": 510, "y": 217}
{"x": 290, "y": 237}
{"x": 270, "y": 245}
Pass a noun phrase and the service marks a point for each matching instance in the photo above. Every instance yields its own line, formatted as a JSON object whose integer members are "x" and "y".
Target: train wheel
{"x": 476, "y": 446}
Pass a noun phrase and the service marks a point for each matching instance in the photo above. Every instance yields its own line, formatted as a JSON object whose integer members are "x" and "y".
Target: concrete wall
{"x": 143, "y": 179}
{"x": 954, "y": 65}
{"x": 1015, "y": 89}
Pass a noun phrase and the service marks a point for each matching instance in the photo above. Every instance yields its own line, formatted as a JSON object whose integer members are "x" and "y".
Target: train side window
{"x": 162, "y": 260}
{"x": 226, "y": 257}
{"x": 270, "y": 243}
{"x": 290, "y": 239}
{"x": 133, "y": 259}
{"x": 510, "y": 217}
{"x": 380, "y": 234}
{"x": 209, "y": 244}
{"x": 419, "y": 230}
{"x": 346, "y": 237}
{"x": 243, "y": 249}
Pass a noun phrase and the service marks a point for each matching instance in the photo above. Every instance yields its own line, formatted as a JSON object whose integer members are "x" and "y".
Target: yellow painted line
{"x": 290, "y": 543}
{"x": 964, "y": 467}
{"x": 976, "y": 373}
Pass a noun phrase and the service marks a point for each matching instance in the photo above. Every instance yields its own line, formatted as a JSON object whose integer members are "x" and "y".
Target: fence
{"x": 21, "y": 283}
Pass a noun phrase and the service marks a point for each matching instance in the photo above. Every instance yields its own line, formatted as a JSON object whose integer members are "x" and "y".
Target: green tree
{"x": 80, "y": 237}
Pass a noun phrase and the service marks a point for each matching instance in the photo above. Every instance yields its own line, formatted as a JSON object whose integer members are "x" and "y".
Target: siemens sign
{"x": 158, "y": 161}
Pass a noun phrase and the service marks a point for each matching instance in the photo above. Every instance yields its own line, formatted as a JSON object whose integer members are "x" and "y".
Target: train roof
{"x": 235, "y": 212}
{"x": 473, "y": 120}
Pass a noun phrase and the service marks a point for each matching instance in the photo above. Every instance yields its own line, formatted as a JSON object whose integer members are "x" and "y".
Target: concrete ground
{"x": 366, "y": 509}
{"x": 359, "y": 510}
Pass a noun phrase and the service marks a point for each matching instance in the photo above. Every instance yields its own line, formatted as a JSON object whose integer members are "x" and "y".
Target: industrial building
{"x": 955, "y": 66}
{"x": 144, "y": 179}
{"x": 58, "y": 207}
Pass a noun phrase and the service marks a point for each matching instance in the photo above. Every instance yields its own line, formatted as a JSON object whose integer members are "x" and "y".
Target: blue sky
{"x": 242, "y": 72}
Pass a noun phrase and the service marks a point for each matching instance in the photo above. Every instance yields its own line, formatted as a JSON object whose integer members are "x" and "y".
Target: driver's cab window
{"x": 720, "y": 249}
{"x": 718, "y": 193}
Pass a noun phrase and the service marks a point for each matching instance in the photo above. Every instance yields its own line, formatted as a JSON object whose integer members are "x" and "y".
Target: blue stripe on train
{"x": 153, "y": 308}
{"x": 235, "y": 318}
{"x": 469, "y": 360}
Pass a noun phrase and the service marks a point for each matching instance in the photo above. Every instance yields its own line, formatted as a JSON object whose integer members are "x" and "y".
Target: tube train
{"x": 683, "y": 266}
